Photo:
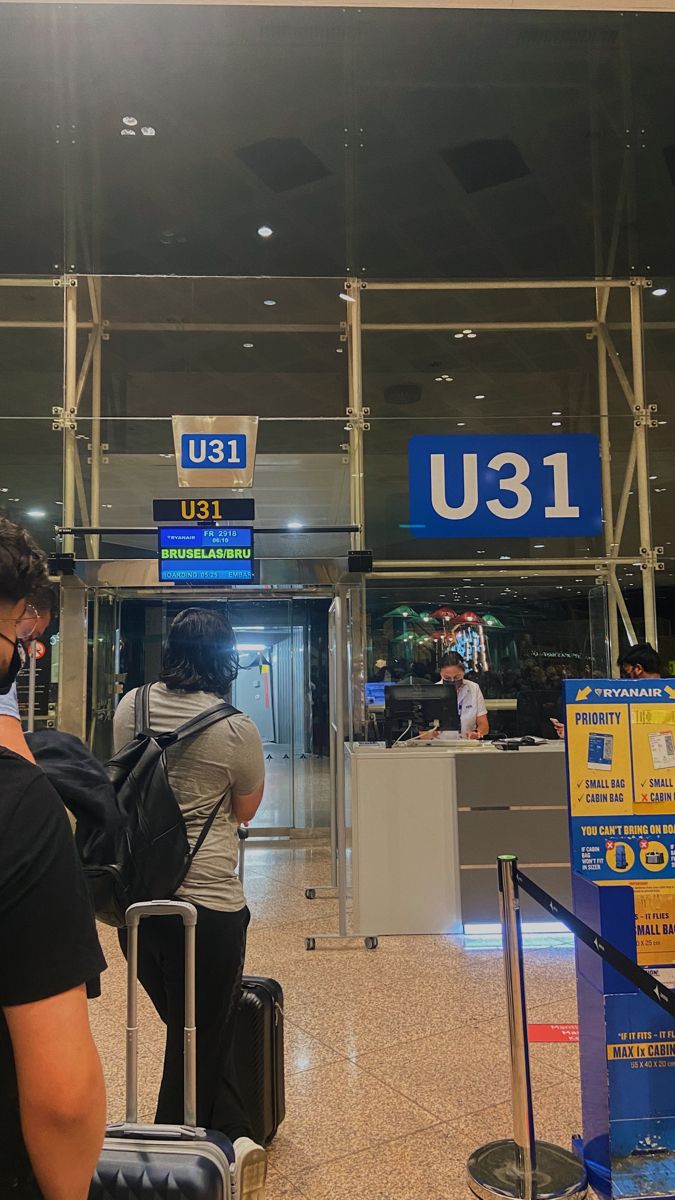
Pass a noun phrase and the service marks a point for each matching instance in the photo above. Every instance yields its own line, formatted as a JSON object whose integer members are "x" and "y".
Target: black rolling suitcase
{"x": 259, "y": 1043}
{"x": 177, "y": 1161}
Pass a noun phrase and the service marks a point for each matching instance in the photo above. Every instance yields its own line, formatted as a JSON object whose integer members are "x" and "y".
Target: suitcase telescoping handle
{"x": 134, "y": 915}
{"x": 242, "y": 833}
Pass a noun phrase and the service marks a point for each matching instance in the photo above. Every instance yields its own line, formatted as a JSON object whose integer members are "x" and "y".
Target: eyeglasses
{"x": 26, "y": 624}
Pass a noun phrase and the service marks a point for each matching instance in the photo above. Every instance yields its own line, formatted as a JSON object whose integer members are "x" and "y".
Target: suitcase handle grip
{"x": 161, "y": 908}
{"x": 134, "y": 914}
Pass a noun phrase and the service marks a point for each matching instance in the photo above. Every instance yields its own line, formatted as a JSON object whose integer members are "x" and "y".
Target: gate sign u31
{"x": 533, "y": 485}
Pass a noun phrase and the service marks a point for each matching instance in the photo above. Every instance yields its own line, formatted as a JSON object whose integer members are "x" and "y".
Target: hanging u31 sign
{"x": 215, "y": 451}
{"x": 486, "y": 485}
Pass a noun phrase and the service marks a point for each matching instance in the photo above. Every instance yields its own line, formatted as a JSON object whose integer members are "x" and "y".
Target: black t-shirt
{"x": 48, "y": 940}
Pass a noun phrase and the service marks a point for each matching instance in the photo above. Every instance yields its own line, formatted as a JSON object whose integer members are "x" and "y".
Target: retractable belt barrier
{"x": 642, "y": 980}
{"x": 523, "y": 1168}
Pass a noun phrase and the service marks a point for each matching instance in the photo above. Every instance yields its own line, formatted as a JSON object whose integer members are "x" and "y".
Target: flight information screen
{"x": 205, "y": 555}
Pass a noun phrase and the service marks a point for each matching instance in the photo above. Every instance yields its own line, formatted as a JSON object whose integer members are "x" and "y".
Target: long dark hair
{"x": 200, "y": 653}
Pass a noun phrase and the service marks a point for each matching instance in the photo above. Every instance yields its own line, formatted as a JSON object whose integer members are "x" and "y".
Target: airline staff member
{"x": 470, "y": 700}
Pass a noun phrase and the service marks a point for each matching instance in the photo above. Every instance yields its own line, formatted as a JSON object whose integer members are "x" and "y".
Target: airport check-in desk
{"x": 427, "y": 824}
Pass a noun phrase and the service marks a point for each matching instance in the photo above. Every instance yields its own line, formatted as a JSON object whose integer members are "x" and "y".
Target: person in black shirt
{"x": 52, "y": 1098}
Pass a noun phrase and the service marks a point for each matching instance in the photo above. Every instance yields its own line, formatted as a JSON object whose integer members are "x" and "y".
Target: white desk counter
{"x": 428, "y": 822}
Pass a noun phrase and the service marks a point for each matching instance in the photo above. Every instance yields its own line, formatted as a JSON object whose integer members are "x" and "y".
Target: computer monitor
{"x": 411, "y": 709}
{"x": 375, "y": 693}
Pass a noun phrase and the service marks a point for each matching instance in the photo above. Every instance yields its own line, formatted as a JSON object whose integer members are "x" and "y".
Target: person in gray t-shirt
{"x": 199, "y": 665}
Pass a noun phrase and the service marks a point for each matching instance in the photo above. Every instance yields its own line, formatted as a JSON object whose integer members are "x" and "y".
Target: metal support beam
{"x": 625, "y": 496}
{"x": 500, "y": 564}
{"x": 615, "y": 360}
{"x": 642, "y": 467}
{"x": 476, "y": 326}
{"x": 355, "y": 413}
{"x": 498, "y": 285}
{"x": 95, "y": 451}
{"x": 625, "y": 616}
{"x": 70, "y": 407}
{"x": 72, "y": 701}
{"x": 84, "y": 369}
{"x": 607, "y": 502}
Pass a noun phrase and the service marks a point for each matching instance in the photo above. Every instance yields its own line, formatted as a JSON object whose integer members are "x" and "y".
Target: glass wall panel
{"x": 519, "y": 638}
{"x": 200, "y": 130}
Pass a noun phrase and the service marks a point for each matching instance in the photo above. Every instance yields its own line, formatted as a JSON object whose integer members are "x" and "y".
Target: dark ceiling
{"x": 393, "y": 143}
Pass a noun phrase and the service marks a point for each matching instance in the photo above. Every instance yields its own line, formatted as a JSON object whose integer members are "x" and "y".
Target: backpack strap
{"x": 142, "y": 709}
{"x": 219, "y": 712}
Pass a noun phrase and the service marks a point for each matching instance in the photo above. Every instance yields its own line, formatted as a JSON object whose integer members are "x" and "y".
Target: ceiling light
{"x": 467, "y": 331}
{"x": 269, "y": 303}
{"x": 264, "y": 231}
{"x": 247, "y": 345}
{"x": 148, "y": 131}
{"x": 38, "y": 513}
{"x": 348, "y": 298}
{"x": 294, "y": 525}
{"x": 556, "y": 424}
{"x": 660, "y": 291}
{"x": 339, "y": 350}
{"x": 106, "y": 506}
{"x": 504, "y": 557}
{"x": 556, "y": 414}
{"x": 459, "y": 335}
{"x": 128, "y": 132}
{"x": 4, "y": 489}
{"x": 653, "y": 476}
{"x": 539, "y": 546}
{"x": 479, "y": 397}
{"x": 472, "y": 335}
{"x": 253, "y": 646}
{"x": 438, "y": 379}
{"x": 663, "y": 422}
{"x": 131, "y": 121}
{"x": 460, "y": 423}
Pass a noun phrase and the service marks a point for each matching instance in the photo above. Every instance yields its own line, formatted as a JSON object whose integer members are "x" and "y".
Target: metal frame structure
{"x": 604, "y": 567}
{"x": 348, "y": 613}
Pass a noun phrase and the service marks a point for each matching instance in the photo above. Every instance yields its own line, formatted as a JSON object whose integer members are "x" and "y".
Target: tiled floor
{"x": 396, "y": 1059}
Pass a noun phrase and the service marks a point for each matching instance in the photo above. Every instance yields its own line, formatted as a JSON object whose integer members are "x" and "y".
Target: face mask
{"x": 16, "y": 663}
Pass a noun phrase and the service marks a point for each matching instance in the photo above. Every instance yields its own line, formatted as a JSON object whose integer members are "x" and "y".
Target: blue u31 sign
{"x": 533, "y": 485}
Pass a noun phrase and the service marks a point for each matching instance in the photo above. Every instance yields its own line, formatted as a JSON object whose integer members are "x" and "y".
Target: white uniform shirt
{"x": 471, "y": 705}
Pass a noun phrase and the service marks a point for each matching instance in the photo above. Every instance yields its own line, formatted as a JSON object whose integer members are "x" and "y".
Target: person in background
{"x": 470, "y": 701}
{"x": 638, "y": 662}
{"x": 42, "y": 609}
{"x": 222, "y": 764}
{"x": 52, "y": 1097}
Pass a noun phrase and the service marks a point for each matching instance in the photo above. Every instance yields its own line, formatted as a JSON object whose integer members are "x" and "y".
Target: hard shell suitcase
{"x": 177, "y": 1161}
{"x": 259, "y": 1043}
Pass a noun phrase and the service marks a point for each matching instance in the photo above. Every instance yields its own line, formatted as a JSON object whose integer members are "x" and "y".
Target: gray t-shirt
{"x": 226, "y": 759}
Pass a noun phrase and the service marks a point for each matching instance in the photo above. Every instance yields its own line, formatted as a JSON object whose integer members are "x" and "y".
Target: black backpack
{"x": 147, "y": 855}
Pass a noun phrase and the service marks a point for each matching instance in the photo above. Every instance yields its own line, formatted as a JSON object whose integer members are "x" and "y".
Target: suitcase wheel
{"x": 371, "y": 943}
{"x": 310, "y": 893}
{"x": 310, "y": 943}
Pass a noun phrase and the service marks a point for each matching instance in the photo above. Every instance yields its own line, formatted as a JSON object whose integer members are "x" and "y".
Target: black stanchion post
{"x": 521, "y": 1169}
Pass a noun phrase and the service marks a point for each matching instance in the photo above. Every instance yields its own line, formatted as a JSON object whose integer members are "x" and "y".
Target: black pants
{"x": 220, "y": 949}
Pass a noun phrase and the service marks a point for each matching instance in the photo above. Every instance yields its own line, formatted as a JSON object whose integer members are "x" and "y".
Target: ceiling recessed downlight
{"x": 660, "y": 291}
{"x": 130, "y": 121}
{"x": 269, "y": 303}
{"x": 265, "y": 231}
